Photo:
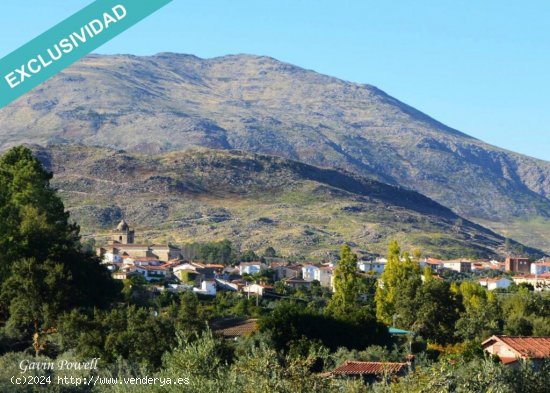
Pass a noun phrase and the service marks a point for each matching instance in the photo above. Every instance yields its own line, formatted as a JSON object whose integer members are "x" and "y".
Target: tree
{"x": 347, "y": 284}
{"x": 270, "y": 252}
{"x": 34, "y": 223}
{"x": 289, "y": 322}
{"x": 481, "y": 317}
{"x": 248, "y": 256}
{"x": 436, "y": 312}
{"x": 43, "y": 269}
{"x": 397, "y": 275}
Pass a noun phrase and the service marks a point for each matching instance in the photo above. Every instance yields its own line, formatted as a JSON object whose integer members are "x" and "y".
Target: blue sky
{"x": 482, "y": 67}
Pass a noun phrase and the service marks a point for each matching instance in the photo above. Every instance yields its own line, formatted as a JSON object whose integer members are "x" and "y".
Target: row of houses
{"x": 378, "y": 265}
{"x": 157, "y": 262}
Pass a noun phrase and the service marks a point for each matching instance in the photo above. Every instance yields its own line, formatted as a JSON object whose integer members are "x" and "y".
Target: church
{"x": 121, "y": 244}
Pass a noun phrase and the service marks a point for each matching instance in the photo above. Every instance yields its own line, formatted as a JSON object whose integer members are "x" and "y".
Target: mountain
{"x": 255, "y": 201}
{"x": 171, "y": 102}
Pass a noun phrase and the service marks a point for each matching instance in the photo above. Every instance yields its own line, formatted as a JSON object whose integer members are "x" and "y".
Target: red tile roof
{"x": 525, "y": 347}
{"x": 368, "y": 368}
{"x": 239, "y": 328}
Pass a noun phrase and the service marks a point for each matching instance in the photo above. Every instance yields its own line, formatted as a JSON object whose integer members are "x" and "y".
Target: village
{"x": 165, "y": 269}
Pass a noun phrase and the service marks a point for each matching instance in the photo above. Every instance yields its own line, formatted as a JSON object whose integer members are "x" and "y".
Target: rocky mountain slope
{"x": 255, "y": 201}
{"x": 172, "y": 102}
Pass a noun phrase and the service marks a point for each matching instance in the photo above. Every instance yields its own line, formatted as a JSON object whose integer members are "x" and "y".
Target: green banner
{"x": 67, "y": 42}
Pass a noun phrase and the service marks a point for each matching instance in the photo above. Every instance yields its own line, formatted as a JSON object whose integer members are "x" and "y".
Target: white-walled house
{"x": 541, "y": 282}
{"x": 377, "y": 266}
{"x": 110, "y": 257}
{"x": 325, "y": 276}
{"x": 540, "y": 267}
{"x": 208, "y": 287}
{"x": 458, "y": 265}
{"x": 309, "y": 272}
{"x": 251, "y": 267}
{"x": 495, "y": 283}
{"x": 148, "y": 272}
{"x": 257, "y": 289}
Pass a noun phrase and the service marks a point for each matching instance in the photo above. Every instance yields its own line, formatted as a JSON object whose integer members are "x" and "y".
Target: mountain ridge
{"x": 255, "y": 201}
{"x": 257, "y": 104}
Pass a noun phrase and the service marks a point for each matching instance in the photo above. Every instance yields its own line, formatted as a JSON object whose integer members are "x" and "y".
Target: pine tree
{"x": 43, "y": 269}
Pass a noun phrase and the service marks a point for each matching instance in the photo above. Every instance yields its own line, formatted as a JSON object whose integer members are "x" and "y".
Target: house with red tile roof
{"x": 540, "y": 282}
{"x": 369, "y": 371}
{"x": 231, "y": 328}
{"x": 495, "y": 283}
{"x": 512, "y": 349}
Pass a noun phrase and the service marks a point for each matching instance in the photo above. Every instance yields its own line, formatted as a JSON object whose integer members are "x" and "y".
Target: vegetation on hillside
{"x": 255, "y": 201}
{"x": 58, "y": 303}
{"x": 172, "y": 102}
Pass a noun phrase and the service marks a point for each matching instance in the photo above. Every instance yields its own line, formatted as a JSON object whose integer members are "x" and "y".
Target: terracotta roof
{"x": 526, "y": 347}
{"x": 296, "y": 281}
{"x": 160, "y": 267}
{"x": 533, "y": 276}
{"x": 119, "y": 246}
{"x": 239, "y": 328}
{"x": 508, "y": 360}
{"x": 497, "y": 279}
{"x": 368, "y": 368}
{"x": 145, "y": 259}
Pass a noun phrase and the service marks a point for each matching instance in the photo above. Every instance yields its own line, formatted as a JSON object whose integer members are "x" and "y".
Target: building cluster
{"x": 158, "y": 263}
{"x": 163, "y": 263}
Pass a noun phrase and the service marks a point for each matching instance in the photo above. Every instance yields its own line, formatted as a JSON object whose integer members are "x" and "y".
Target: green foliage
{"x": 289, "y": 322}
{"x": 135, "y": 334}
{"x": 248, "y": 256}
{"x": 43, "y": 269}
{"x": 481, "y": 316}
{"x": 347, "y": 284}
{"x": 478, "y": 375}
{"x": 221, "y": 252}
{"x": 397, "y": 287}
{"x": 437, "y": 312}
{"x": 270, "y": 252}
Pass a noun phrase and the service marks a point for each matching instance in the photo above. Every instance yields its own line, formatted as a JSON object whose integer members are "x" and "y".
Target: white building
{"x": 377, "y": 266}
{"x": 309, "y": 272}
{"x": 540, "y": 282}
{"x": 540, "y": 267}
{"x": 251, "y": 267}
{"x": 110, "y": 257}
{"x": 258, "y": 289}
{"x": 208, "y": 287}
{"x": 325, "y": 276}
{"x": 458, "y": 265}
{"x": 153, "y": 272}
{"x": 495, "y": 283}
